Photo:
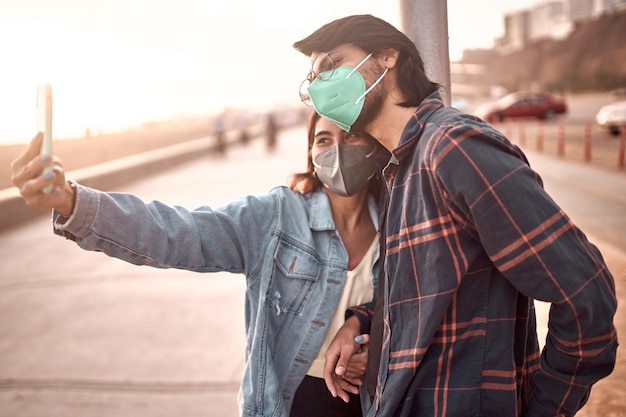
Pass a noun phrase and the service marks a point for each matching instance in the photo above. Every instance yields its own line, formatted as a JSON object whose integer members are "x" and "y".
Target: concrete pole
{"x": 425, "y": 22}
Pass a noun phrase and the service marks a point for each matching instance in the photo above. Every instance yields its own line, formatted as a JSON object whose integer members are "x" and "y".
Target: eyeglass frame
{"x": 312, "y": 75}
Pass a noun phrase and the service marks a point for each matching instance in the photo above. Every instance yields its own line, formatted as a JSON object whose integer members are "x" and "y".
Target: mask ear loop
{"x": 318, "y": 165}
{"x": 359, "y": 65}
{"x": 372, "y": 86}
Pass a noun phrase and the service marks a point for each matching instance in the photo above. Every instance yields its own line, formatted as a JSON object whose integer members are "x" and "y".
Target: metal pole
{"x": 425, "y": 22}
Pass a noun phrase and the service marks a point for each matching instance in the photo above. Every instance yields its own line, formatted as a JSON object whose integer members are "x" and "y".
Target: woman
{"x": 313, "y": 253}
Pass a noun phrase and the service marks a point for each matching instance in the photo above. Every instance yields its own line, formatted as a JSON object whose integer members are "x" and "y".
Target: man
{"x": 470, "y": 238}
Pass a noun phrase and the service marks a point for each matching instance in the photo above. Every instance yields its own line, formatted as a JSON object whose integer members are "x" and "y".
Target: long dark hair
{"x": 307, "y": 181}
{"x": 373, "y": 35}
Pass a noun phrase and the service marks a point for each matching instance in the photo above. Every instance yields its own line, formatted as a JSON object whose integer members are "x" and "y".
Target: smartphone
{"x": 44, "y": 124}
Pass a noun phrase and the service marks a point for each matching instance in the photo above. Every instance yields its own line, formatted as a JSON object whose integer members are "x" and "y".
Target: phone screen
{"x": 44, "y": 123}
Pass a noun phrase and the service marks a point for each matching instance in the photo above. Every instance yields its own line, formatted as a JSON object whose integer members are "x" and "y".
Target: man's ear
{"x": 389, "y": 57}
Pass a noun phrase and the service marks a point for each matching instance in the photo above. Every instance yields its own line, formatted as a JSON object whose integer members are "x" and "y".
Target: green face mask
{"x": 340, "y": 97}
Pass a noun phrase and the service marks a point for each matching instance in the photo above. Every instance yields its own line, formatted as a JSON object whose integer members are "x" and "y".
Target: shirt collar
{"x": 321, "y": 215}
{"x": 414, "y": 128}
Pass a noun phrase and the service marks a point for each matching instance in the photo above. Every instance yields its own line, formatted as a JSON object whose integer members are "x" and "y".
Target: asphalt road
{"x": 595, "y": 199}
{"x": 87, "y": 335}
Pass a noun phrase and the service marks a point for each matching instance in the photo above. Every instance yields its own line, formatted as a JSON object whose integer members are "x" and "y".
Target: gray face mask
{"x": 345, "y": 169}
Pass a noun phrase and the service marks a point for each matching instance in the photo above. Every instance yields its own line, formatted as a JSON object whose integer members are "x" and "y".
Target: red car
{"x": 522, "y": 104}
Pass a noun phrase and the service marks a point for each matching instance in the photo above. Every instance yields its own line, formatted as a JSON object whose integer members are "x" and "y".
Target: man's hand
{"x": 27, "y": 175}
{"x": 346, "y": 360}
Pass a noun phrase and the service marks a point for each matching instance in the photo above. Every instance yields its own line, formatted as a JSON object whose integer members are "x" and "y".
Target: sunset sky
{"x": 117, "y": 63}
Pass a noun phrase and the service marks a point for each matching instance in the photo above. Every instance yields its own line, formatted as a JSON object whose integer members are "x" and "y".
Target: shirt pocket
{"x": 295, "y": 273}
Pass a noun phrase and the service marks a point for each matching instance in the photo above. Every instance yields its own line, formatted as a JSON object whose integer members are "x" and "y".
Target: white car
{"x": 612, "y": 117}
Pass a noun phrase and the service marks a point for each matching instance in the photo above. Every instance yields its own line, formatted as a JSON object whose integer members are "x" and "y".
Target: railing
{"x": 576, "y": 141}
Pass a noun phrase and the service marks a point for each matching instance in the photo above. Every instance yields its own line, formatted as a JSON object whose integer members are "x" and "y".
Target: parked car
{"x": 619, "y": 92}
{"x": 522, "y": 104}
{"x": 612, "y": 116}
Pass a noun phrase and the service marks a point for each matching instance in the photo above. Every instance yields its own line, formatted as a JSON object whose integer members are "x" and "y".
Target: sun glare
{"x": 99, "y": 83}
{"x": 113, "y": 66}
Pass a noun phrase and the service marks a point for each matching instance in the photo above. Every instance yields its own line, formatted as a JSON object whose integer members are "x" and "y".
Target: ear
{"x": 389, "y": 57}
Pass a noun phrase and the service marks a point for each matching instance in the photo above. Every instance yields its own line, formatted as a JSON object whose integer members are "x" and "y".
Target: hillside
{"x": 591, "y": 58}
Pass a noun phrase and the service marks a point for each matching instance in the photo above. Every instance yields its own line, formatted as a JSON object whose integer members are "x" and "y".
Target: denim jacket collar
{"x": 321, "y": 216}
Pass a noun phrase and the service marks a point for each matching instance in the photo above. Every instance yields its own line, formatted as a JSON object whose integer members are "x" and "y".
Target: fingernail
{"x": 44, "y": 158}
{"x": 48, "y": 176}
{"x": 339, "y": 369}
{"x": 358, "y": 339}
{"x": 55, "y": 191}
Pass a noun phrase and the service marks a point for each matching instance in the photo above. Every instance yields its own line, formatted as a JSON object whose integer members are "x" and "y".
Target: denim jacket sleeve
{"x": 230, "y": 238}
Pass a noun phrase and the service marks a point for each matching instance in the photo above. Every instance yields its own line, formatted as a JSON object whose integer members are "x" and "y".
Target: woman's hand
{"x": 358, "y": 362}
{"x": 346, "y": 360}
{"x": 27, "y": 176}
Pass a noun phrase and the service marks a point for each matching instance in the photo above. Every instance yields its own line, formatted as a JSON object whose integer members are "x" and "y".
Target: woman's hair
{"x": 373, "y": 35}
{"x": 306, "y": 182}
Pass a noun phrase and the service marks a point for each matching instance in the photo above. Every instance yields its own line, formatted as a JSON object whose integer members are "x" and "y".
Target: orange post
{"x": 621, "y": 147}
{"x": 560, "y": 140}
{"x": 587, "y": 142}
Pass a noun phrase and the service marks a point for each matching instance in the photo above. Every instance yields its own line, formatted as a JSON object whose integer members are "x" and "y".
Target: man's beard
{"x": 373, "y": 101}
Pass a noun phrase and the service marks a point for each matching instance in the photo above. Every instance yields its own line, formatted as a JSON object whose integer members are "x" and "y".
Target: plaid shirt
{"x": 471, "y": 239}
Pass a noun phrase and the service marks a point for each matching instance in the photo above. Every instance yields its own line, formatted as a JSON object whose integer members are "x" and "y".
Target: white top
{"x": 358, "y": 290}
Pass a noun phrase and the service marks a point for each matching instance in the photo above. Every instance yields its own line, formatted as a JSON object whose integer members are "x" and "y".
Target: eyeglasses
{"x": 323, "y": 67}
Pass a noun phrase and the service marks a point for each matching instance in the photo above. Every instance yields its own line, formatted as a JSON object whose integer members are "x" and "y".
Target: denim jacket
{"x": 286, "y": 245}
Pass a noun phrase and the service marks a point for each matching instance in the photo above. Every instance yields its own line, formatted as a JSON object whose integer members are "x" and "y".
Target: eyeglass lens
{"x": 305, "y": 97}
{"x": 323, "y": 67}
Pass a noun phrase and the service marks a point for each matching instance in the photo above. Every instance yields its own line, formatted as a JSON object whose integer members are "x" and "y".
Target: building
{"x": 516, "y": 30}
{"x": 601, "y": 7}
{"x": 580, "y": 10}
{"x": 550, "y": 20}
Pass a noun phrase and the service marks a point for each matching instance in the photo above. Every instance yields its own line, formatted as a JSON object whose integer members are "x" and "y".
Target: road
{"x": 83, "y": 334}
{"x": 595, "y": 199}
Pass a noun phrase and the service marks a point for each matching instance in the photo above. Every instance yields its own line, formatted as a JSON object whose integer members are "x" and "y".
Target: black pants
{"x": 313, "y": 399}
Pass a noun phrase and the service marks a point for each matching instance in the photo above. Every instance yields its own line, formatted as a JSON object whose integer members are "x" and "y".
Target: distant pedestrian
{"x": 271, "y": 132}
{"x": 219, "y": 132}
{"x": 242, "y": 127}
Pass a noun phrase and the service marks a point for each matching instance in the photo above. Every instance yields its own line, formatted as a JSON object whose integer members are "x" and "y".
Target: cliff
{"x": 591, "y": 58}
